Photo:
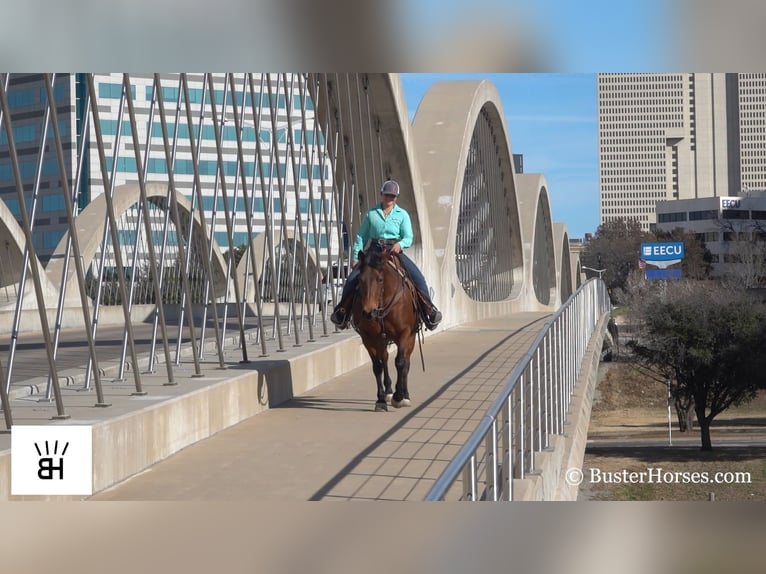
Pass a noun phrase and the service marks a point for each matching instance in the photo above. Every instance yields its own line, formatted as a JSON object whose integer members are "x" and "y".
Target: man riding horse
{"x": 387, "y": 225}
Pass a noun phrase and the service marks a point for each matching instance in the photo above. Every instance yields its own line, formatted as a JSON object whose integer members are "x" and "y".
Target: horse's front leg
{"x": 401, "y": 396}
{"x": 387, "y": 378}
{"x": 379, "y": 356}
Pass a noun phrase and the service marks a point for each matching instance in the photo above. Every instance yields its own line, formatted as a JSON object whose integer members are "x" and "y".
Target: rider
{"x": 386, "y": 222}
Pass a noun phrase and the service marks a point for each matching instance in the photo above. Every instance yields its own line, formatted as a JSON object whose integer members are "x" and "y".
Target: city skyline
{"x": 678, "y": 136}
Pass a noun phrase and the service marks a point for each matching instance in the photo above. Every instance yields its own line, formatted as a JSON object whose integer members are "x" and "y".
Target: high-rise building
{"x": 678, "y": 136}
{"x": 280, "y": 113}
{"x": 518, "y": 163}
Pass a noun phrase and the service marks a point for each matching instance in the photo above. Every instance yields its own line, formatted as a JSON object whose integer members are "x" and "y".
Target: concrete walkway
{"x": 328, "y": 444}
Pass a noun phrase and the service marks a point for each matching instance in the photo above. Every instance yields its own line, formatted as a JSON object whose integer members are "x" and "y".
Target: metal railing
{"x": 532, "y": 406}
{"x": 232, "y": 193}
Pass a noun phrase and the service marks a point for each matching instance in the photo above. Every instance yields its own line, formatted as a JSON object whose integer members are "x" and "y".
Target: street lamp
{"x": 599, "y": 271}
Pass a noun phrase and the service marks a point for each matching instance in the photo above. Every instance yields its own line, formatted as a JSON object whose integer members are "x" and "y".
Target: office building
{"x": 265, "y": 135}
{"x": 733, "y": 229}
{"x": 678, "y": 136}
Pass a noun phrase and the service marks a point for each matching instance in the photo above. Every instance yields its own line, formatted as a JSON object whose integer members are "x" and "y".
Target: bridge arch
{"x": 368, "y": 141}
{"x": 307, "y": 270}
{"x": 12, "y": 242}
{"x": 12, "y": 246}
{"x": 538, "y": 237}
{"x": 463, "y": 150}
{"x": 576, "y": 268}
{"x": 91, "y": 221}
{"x": 563, "y": 261}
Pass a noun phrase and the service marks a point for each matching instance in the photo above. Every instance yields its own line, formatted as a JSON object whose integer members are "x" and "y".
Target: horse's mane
{"x": 374, "y": 258}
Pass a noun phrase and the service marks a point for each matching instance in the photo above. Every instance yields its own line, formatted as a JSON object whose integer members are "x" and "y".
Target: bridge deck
{"x": 327, "y": 444}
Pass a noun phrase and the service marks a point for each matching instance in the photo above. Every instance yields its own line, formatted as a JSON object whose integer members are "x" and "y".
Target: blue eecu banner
{"x": 662, "y": 255}
{"x": 651, "y": 252}
{"x": 663, "y": 273}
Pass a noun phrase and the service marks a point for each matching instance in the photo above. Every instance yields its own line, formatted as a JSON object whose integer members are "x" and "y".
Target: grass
{"x": 619, "y": 311}
{"x": 629, "y": 432}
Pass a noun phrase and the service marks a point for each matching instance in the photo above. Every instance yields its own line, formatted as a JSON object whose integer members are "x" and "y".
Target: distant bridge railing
{"x": 532, "y": 406}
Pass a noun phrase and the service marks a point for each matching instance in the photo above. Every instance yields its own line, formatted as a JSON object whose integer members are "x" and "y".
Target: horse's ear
{"x": 360, "y": 256}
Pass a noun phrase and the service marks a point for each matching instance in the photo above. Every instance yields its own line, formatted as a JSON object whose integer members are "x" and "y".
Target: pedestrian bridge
{"x": 289, "y": 163}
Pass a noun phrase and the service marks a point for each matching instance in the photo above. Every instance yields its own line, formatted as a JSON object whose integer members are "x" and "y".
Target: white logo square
{"x": 648, "y": 250}
{"x": 51, "y": 460}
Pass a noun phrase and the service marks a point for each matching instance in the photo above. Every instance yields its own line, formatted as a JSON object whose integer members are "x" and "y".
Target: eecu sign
{"x": 662, "y": 255}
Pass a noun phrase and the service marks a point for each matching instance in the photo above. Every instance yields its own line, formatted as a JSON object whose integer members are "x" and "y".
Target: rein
{"x": 385, "y": 310}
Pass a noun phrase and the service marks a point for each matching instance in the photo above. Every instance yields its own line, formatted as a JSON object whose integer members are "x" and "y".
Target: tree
{"x": 697, "y": 261}
{"x": 748, "y": 262}
{"x": 745, "y": 256}
{"x": 615, "y": 248}
{"x": 708, "y": 341}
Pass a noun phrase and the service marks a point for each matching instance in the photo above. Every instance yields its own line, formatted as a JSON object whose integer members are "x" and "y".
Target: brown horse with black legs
{"x": 384, "y": 312}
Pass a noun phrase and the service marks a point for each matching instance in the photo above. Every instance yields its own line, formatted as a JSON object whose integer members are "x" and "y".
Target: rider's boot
{"x": 432, "y": 318}
{"x": 342, "y": 314}
{"x": 430, "y": 314}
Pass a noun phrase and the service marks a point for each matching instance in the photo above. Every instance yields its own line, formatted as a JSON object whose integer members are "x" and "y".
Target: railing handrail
{"x": 456, "y": 465}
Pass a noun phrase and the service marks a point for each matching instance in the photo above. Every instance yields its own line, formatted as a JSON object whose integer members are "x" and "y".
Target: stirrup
{"x": 431, "y": 322}
{"x": 339, "y": 318}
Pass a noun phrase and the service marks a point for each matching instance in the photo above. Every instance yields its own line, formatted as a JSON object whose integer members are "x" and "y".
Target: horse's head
{"x": 371, "y": 280}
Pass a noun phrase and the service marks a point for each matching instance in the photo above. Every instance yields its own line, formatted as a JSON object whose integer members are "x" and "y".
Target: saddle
{"x": 417, "y": 299}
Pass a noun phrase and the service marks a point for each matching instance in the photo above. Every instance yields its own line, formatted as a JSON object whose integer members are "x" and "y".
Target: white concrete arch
{"x": 563, "y": 262}
{"x": 246, "y": 277}
{"x": 378, "y": 146}
{"x": 12, "y": 242}
{"x": 90, "y": 224}
{"x": 576, "y": 269}
{"x": 12, "y": 245}
{"x": 443, "y": 129}
{"x": 537, "y": 226}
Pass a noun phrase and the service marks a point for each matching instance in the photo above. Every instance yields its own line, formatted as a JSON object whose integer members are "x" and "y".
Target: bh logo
{"x": 51, "y": 460}
{"x": 47, "y": 464}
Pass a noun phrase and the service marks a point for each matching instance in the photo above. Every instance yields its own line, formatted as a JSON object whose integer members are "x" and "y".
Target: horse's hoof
{"x": 380, "y": 407}
{"x": 389, "y": 396}
{"x": 405, "y": 403}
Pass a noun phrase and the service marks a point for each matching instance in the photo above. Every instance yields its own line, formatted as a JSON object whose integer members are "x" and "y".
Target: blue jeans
{"x": 412, "y": 270}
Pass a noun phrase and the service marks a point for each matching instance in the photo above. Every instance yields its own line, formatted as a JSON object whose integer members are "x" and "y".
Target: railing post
{"x": 508, "y": 451}
{"x": 521, "y": 427}
{"x": 491, "y": 465}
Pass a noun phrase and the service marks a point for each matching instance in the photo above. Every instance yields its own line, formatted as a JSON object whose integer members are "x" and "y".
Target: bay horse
{"x": 384, "y": 312}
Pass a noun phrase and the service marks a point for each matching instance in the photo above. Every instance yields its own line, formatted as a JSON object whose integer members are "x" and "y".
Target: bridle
{"x": 383, "y": 309}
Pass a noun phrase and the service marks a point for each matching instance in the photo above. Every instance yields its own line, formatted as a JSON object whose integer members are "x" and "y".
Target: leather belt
{"x": 385, "y": 242}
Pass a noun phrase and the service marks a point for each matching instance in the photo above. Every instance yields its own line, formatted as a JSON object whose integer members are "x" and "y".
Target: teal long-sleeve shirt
{"x": 376, "y": 226}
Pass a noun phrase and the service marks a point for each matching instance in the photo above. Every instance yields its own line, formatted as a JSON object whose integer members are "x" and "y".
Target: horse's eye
{"x": 380, "y": 279}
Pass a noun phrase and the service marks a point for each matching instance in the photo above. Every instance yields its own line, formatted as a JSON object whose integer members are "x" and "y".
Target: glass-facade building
{"x": 282, "y": 151}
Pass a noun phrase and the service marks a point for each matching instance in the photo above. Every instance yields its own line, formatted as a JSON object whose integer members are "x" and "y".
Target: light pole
{"x": 599, "y": 271}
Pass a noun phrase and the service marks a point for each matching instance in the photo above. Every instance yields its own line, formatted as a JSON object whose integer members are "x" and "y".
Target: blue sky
{"x": 552, "y": 121}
